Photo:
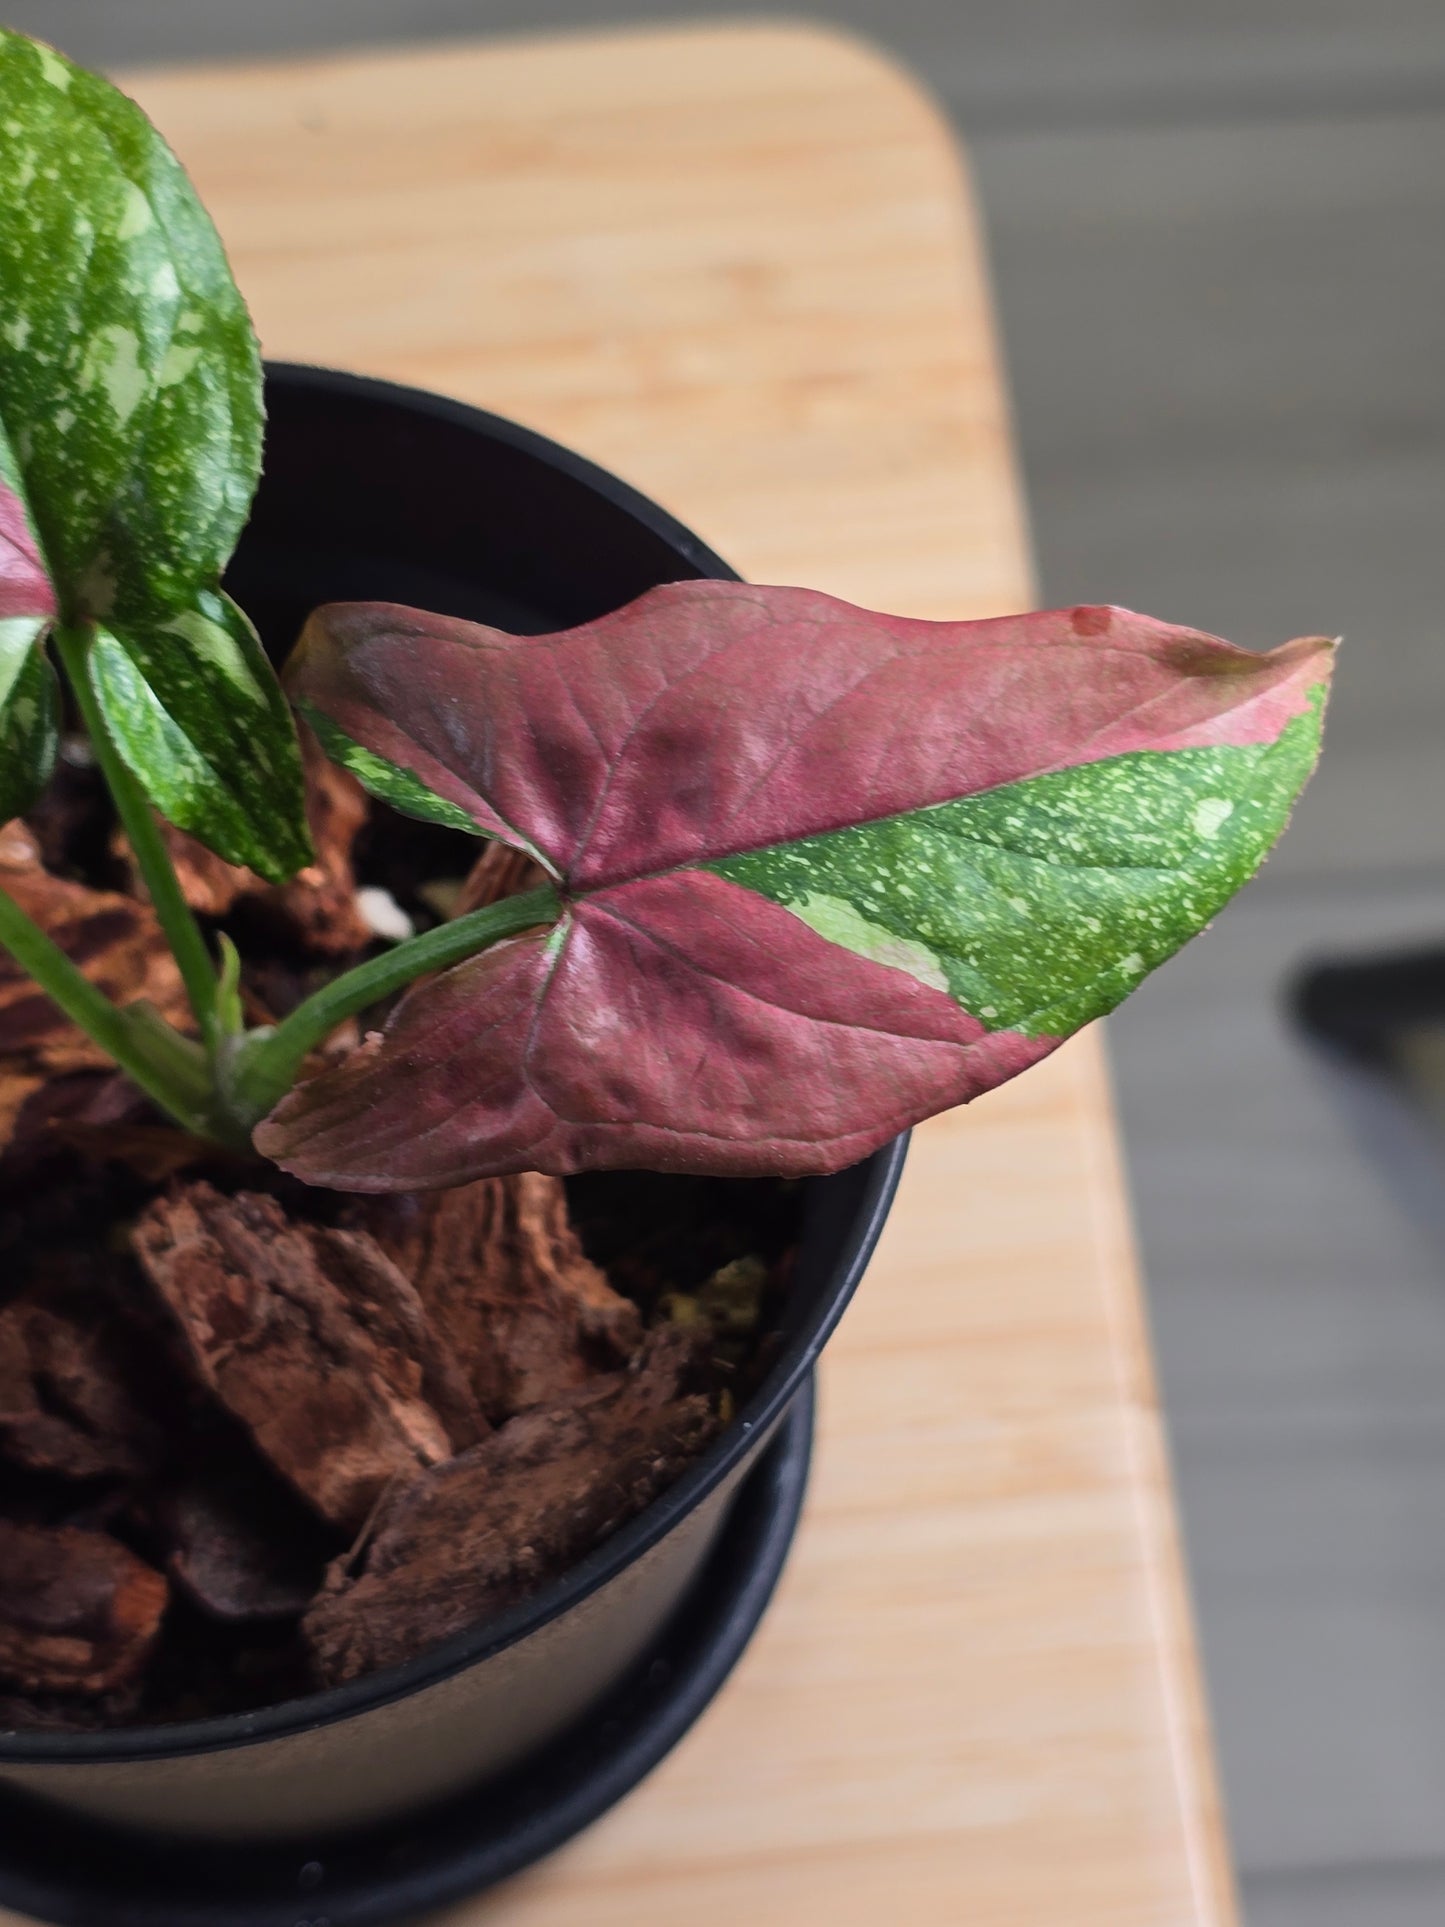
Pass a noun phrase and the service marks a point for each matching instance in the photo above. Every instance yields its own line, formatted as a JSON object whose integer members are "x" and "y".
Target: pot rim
{"x": 795, "y": 1360}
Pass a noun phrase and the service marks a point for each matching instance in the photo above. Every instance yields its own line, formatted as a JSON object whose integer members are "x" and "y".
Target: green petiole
{"x": 169, "y": 1068}
{"x": 267, "y": 1063}
{"x": 223, "y": 1093}
{"x": 183, "y": 933}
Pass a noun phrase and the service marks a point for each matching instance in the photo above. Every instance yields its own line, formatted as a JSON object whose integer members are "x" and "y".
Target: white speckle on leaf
{"x": 1210, "y": 815}
{"x": 112, "y": 363}
{"x": 54, "y": 68}
{"x": 177, "y": 365}
{"x": 135, "y": 214}
{"x": 1020, "y": 904}
{"x": 164, "y": 285}
{"x": 219, "y": 648}
{"x": 17, "y": 332}
{"x": 843, "y": 923}
{"x": 1132, "y": 965}
{"x": 382, "y": 914}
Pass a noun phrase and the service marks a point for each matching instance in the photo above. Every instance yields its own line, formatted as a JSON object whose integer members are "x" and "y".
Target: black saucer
{"x": 77, "y": 1873}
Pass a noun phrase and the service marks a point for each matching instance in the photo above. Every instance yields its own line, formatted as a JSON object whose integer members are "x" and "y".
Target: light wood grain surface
{"x": 740, "y": 265}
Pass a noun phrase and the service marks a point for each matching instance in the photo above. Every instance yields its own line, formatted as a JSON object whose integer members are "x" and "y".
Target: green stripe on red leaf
{"x": 1037, "y": 906}
{"x": 386, "y": 781}
{"x": 824, "y": 872}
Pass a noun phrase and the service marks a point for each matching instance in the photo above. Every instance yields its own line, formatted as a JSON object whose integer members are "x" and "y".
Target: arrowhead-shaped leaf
{"x": 823, "y": 872}
{"x": 130, "y": 400}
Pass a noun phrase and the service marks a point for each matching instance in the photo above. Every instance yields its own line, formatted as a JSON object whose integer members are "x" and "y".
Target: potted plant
{"x": 349, "y": 1453}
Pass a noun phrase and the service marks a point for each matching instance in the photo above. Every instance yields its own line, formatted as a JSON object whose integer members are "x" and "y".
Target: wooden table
{"x": 741, "y": 265}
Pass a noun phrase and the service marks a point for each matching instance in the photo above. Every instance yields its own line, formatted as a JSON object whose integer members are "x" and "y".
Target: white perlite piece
{"x": 384, "y": 915}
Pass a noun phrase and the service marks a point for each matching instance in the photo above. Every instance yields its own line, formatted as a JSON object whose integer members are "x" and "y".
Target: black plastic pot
{"x": 373, "y": 491}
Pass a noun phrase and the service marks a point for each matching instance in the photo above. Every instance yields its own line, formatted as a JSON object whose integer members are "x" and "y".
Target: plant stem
{"x": 170, "y": 1069}
{"x": 153, "y": 859}
{"x": 269, "y": 1062}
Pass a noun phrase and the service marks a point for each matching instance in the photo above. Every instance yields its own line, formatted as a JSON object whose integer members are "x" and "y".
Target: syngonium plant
{"x": 813, "y": 873}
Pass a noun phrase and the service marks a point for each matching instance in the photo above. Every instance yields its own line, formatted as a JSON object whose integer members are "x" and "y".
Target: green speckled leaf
{"x": 1040, "y": 905}
{"x": 160, "y": 700}
{"x": 130, "y": 397}
{"x": 386, "y": 780}
{"x": 29, "y": 713}
{"x": 129, "y": 374}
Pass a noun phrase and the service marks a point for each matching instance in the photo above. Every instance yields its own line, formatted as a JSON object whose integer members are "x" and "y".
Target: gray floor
{"x": 1218, "y": 233}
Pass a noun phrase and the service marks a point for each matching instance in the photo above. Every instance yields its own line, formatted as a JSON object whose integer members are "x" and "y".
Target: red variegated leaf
{"x": 822, "y": 872}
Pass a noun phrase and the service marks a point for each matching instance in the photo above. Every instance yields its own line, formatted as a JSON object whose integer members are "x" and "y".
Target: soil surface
{"x": 257, "y": 1439}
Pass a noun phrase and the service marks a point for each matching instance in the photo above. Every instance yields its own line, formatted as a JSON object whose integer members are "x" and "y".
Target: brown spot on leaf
{"x": 1091, "y": 620}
